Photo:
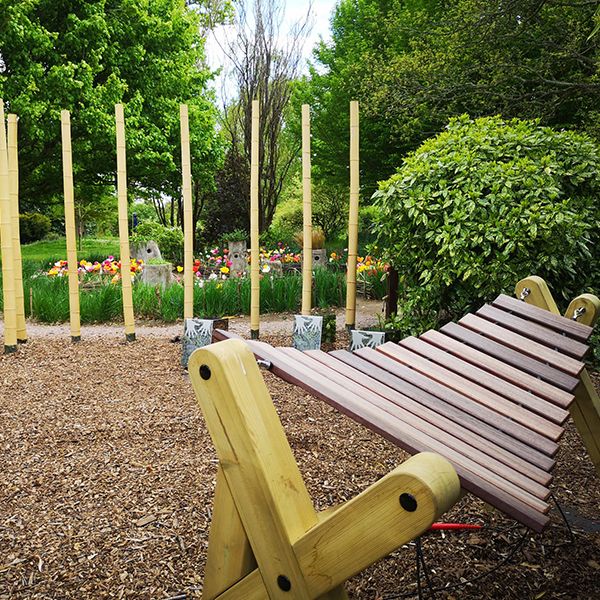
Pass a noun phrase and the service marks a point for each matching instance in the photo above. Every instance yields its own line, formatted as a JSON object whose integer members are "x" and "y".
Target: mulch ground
{"x": 107, "y": 478}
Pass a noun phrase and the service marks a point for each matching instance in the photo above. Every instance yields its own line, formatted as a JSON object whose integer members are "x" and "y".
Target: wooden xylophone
{"x": 490, "y": 394}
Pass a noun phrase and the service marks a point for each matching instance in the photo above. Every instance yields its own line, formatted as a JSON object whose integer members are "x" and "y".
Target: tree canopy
{"x": 413, "y": 64}
{"x": 85, "y": 57}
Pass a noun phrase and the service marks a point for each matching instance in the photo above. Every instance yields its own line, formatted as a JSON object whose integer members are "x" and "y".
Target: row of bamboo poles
{"x": 13, "y": 296}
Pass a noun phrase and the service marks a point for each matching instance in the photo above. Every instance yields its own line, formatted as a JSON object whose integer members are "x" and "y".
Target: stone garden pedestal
{"x": 157, "y": 275}
{"x": 238, "y": 255}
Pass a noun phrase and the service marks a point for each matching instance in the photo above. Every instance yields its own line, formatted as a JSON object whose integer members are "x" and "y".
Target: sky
{"x": 295, "y": 10}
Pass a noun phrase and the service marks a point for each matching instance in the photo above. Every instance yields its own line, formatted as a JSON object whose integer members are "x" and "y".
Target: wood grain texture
{"x": 230, "y": 557}
{"x": 448, "y": 403}
{"x": 401, "y": 422}
{"x": 539, "y": 333}
{"x": 544, "y": 317}
{"x": 474, "y": 391}
{"x": 264, "y": 506}
{"x": 522, "y": 344}
{"x": 256, "y": 459}
{"x": 521, "y": 379}
{"x": 488, "y": 380}
{"x": 512, "y": 357}
{"x": 381, "y": 423}
{"x": 434, "y": 429}
{"x": 453, "y": 428}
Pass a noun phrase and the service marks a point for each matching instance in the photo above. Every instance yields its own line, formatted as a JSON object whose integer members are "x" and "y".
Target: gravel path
{"x": 270, "y": 324}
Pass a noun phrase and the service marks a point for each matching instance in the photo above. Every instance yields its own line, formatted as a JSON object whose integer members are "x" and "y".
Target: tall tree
{"x": 86, "y": 56}
{"x": 413, "y": 64}
{"x": 264, "y": 61}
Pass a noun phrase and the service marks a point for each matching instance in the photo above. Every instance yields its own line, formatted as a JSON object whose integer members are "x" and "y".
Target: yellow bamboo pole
{"x": 352, "y": 219}
{"x": 306, "y": 214}
{"x": 8, "y": 274}
{"x": 67, "y": 157}
{"x": 254, "y": 251}
{"x": 13, "y": 187}
{"x": 188, "y": 243}
{"x": 124, "y": 225}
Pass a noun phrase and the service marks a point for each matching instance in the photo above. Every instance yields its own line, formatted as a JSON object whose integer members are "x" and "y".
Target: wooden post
{"x": 391, "y": 301}
{"x": 266, "y": 540}
{"x": 585, "y": 309}
{"x": 306, "y": 214}
{"x": 74, "y": 313}
{"x": 13, "y": 187}
{"x": 188, "y": 224}
{"x": 585, "y": 411}
{"x": 8, "y": 273}
{"x": 254, "y": 242}
{"x": 352, "y": 218}
{"x": 124, "y": 225}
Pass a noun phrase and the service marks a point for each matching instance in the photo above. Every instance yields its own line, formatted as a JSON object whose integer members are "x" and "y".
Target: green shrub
{"x": 169, "y": 239}
{"x": 287, "y": 221}
{"x": 484, "y": 204}
{"x": 33, "y": 227}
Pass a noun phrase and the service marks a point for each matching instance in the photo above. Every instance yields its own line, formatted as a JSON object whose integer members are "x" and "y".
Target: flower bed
{"x": 108, "y": 268}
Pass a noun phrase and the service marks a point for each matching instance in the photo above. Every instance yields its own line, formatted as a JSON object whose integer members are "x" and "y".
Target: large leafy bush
{"x": 484, "y": 204}
{"x": 33, "y": 227}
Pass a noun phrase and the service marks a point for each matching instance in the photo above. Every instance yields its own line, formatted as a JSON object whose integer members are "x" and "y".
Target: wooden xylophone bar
{"x": 489, "y": 393}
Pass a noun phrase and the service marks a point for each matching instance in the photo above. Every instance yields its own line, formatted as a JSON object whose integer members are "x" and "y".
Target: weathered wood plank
{"x": 511, "y": 357}
{"x": 499, "y": 368}
{"x": 544, "y": 317}
{"x": 486, "y": 379}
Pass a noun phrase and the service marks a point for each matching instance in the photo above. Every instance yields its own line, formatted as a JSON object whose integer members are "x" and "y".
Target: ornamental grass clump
{"x": 484, "y": 204}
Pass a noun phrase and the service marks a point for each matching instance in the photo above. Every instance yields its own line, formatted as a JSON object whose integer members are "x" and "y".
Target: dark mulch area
{"x": 107, "y": 477}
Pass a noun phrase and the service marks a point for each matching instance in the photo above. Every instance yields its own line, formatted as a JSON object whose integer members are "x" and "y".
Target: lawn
{"x": 52, "y": 250}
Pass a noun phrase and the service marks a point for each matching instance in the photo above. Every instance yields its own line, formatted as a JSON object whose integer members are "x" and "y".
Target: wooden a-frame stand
{"x": 585, "y": 411}
{"x": 266, "y": 540}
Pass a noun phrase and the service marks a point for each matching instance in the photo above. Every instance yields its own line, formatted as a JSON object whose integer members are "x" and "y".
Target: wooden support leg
{"x": 230, "y": 556}
{"x": 585, "y": 411}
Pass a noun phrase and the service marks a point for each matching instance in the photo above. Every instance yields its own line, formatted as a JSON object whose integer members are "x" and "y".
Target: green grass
{"x": 53, "y": 250}
{"x": 218, "y": 298}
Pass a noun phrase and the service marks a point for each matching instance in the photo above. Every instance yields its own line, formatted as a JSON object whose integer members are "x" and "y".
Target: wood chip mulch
{"x": 107, "y": 479}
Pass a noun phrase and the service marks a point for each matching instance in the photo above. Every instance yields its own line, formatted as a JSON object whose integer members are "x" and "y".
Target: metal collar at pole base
{"x": 10, "y": 349}
{"x": 75, "y": 338}
{"x": 350, "y": 327}
{"x": 23, "y": 341}
{"x": 130, "y": 337}
{"x": 254, "y": 334}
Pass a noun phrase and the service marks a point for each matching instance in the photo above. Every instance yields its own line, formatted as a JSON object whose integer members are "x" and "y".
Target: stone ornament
{"x": 365, "y": 339}
{"x": 307, "y": 332}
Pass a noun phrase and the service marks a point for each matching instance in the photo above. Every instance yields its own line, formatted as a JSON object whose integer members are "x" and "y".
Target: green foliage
{"x": 53, "y": 250}
{"x": 87, "y": 56}
{"x": 329, "y": 210}
{"x": 103, "y": 304}
{"x": 227, "y": 207}
{"x": 485, "y": 204}
{"x": 413, "y": 64}
{"x": 287, "y": 221}
{"x": 237, "y": 235}
{"x": 169, "y": 239}
{"x": 33, "y": 227}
